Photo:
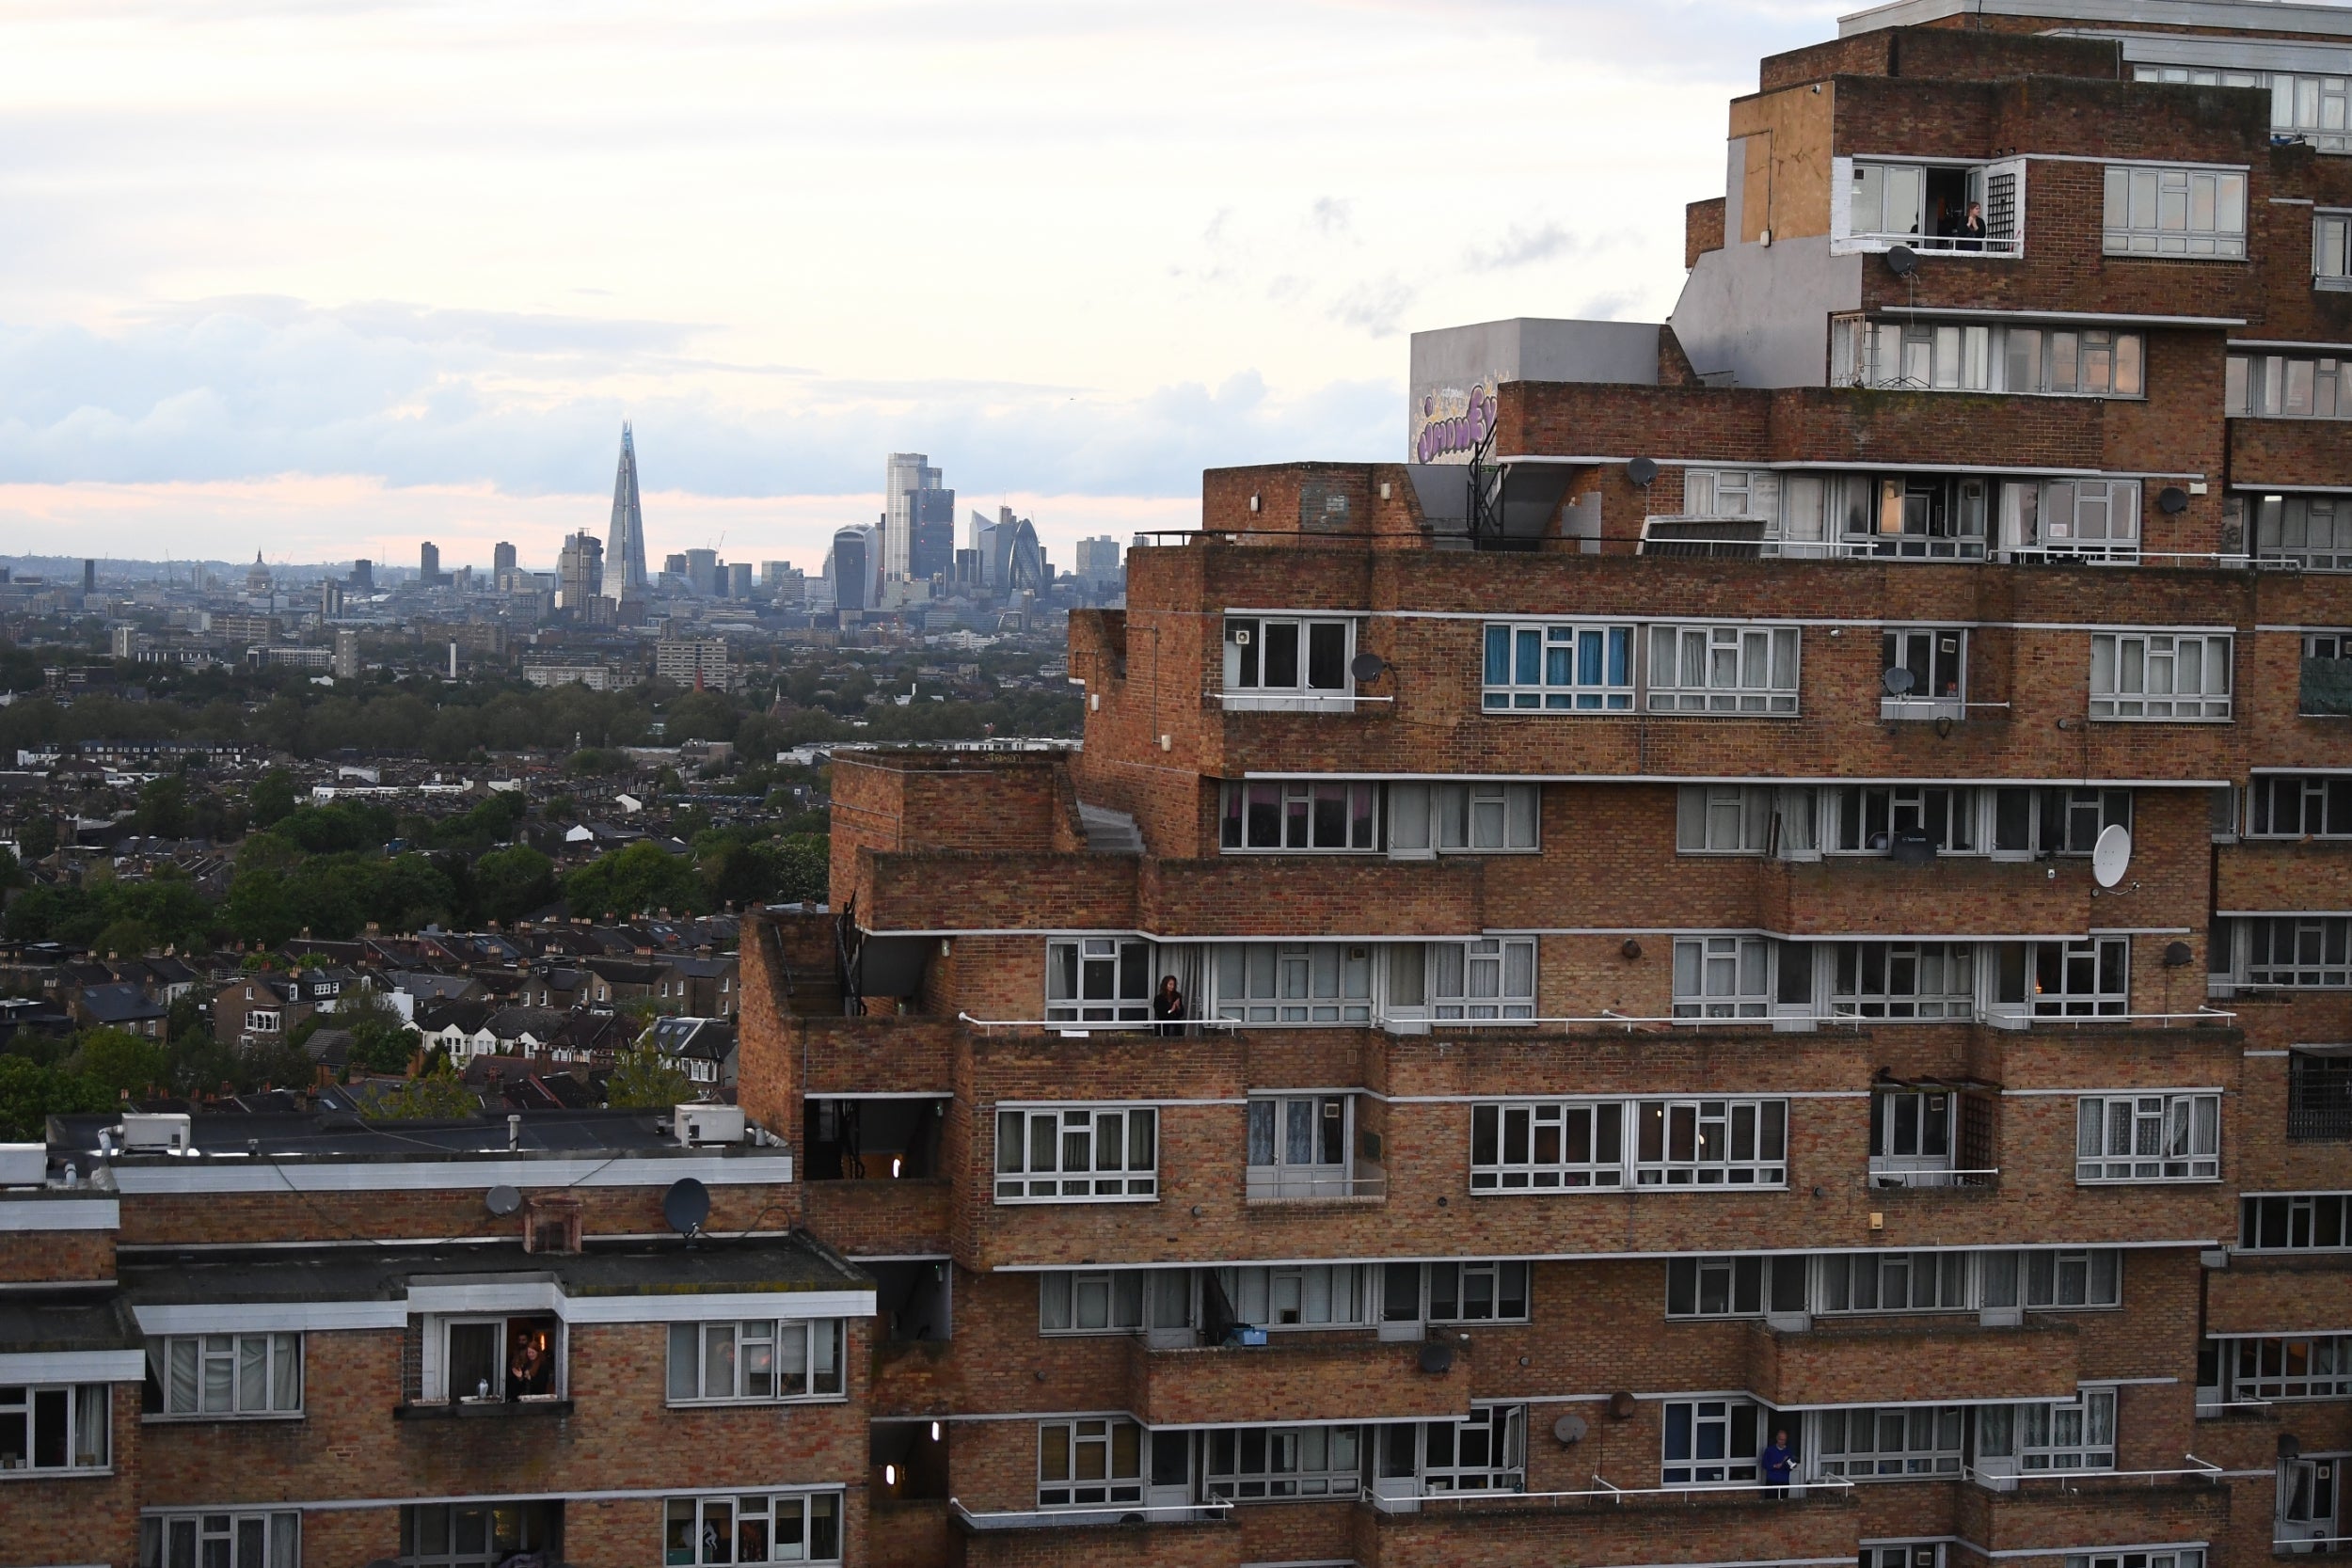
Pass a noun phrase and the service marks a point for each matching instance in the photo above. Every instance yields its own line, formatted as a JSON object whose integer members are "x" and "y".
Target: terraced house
{"x": 1742, "y": 962}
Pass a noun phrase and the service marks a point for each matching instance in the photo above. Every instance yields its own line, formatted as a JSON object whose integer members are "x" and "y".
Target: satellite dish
{"x": 1570, "y": 1430}
{"x": 2177, "y": 955}
{"x": 502, "y": 1201}
{"x": 1640, "y": 471}
{"x": 1622, "y": 1404}
{"x": 2112, "y": 855}
{"x": 1367, "y": 668}
{"x": 686, "y": 1205}
{"x": 1903, "y": 260}
{"x": 1436, "y": 1355}
{"x": 2172, "y": 500}
{"x": 1897, "y": 681}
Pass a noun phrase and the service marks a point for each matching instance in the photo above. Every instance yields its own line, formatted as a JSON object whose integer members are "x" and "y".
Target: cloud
{"x": 1332, "y": 217}
{"x": 1375, "y": 305}
{"x": 1521, "y": 245}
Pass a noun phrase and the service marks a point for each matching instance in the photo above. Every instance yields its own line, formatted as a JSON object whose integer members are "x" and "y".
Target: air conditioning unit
{"x": 707, "y": 1124}
{"x": 24, "y": 1165}
{"x": 167, "y": 1130}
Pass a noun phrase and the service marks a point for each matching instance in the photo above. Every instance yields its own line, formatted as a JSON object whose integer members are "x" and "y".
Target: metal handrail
{"x": 1605, "y": 1491}
{"x": 1926, "y": 1178}
{"x": 2010, "y": 1481}
{"x": 1230, "y": 699}
{"x": 1113, "y": 1026}
{"x": 1065, "y": 1517}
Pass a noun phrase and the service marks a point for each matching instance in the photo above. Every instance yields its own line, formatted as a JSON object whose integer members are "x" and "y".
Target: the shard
{"x": 625, "y": 549}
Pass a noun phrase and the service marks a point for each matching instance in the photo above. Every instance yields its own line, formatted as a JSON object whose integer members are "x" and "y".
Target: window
{"x": 1299, "y": 1296}
{"x": 2303, "y": 951}
{"x": 1548, "y": 1147}
{"x": 1098, "y": 980}
{"x": 1091, "y": 1301}
{"x": 2034, "y": 822}
{"x": 2311, "y": 531}
{"x": 2175, "y": 212}
{"x": 1483, "y": 1452}
{"x": 2296, "y": 1222}
{"x": 1301, "y": 815}
{"x": 2319, "y": 1093}
{"x": 1723, "y": 819}
{"x": 1481, "y": 817}
{"x": 2302, "y": 805}
{"x": 755, "y": 1359}
{"x": 1710, "y": 1443}
{"x": 2187, "y": 1556}
{"x": 2148, "y": 1137}
{"x": 517, "y": 1357}
{"x": 2159, "y": 676}
{"x": 261, "y": 1023}
{"x": 1721, "y": 977}
{"x": 226, "y": 1374}
{"x": 57, "y": 1427}
{"x": 1298, "y": 1146}
{"x": 1915, "y": 1440}
{"x": 1934, "y": 665}
{"x": 1481, "y": 1290}
{"x": 1490, "y": 978}
{"x": 1958, "y": 356}
{"x": 1904, "y": 979}
{"x": 1282, "y": 1462}
{"x": 1888, "y": 199}
{"x": 1912, "y": 1128}
{"x": 1092, "y": 1154}
{"x": 1559, "y": 668}
{"x": 791, "y": 1526}
{"x": 1286, "y": 662}
{"x": 2060, "y": 1277}
{"x": 2286, "y": 386}
{"x": 1293, "y": 982}
{"x": 1734, "y": 1287}
{"x": 2290, "y": 1367}
{"x": 1871, "y": 820}
{"x": 1735, "y": 669}
{"x": 1710, "y": 1142}
{"x": 2332, "y": 250}
{"x": 1093, "y": 1461}
{"x": 1894, "y": 1282}
{"x": 1730, "y": 492}
{"x": 257, "y": 1539}
{"x": 475, "y": 1535}
{"x": 2076, "y": 1436}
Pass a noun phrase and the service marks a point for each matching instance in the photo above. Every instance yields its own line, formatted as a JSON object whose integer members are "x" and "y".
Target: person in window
{"x": 1972, "y": 227}
{"x": 527, "y": 1372}
{"x": 1167, "y": 1007}
{"x": 1779, "y": 1462}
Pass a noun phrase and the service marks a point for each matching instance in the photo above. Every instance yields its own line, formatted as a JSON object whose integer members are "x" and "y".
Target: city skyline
{"x": 1254, "y": 245}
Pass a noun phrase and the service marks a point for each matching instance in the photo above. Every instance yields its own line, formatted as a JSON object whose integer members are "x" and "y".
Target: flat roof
{"x": 341, "y": 1136}
{"x": 2242, "y": 16}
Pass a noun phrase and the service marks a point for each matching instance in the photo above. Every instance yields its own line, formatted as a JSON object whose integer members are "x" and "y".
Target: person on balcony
{"x": 1167, "y": 1007}
{"x": 1779, "y": 1462}
{"x": 1972, "y": 227}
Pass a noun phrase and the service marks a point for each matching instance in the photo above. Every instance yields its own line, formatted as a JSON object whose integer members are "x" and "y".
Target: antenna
{"x": 1896, "y": 680}
{"x": 1903, "y": 260}
{"x": 1642, "y": 470}
{"x": 686, "y": 1205}
{"x": 2112, "y": 855}
{"x": 2172, "y": 500}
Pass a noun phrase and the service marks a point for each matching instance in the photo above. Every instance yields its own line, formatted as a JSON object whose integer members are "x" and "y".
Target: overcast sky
{"x": 324, "y": 279}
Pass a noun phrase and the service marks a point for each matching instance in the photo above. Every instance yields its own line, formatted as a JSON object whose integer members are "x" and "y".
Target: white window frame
{"x": 2152, "y": 211}
{"x": 1741, "y": 669}
{"x": 1754, "y": 1285}
{"x": 1313, "y": 982}
{"x": 1886, "y": 1442}
{"x": 2139, "y": 1138}
{"x": 1071, "y": 1129}
{"x": 2310, "y": 1214}
{"x": 2331, "y": 248}
{"x": 1726, "y": 976}
{"x": 1942, "y": 644}
{"x": 2126, "y": 688}
{"x": 1733, "y": 1142}
{"x": 1907, "y": 1125}
{"x": 183, "y": 1535}
{"x": 2274, "y": 385}
{"x": 1292, "y": 1297}
{"x": 1247, "y": 640}
{"x": 2072, "y": 1434}
{"x": 1092, "y": 1472}
{"x": 218, "y": 1374}
{"x": 1725, "y": 1417}
{"x": 1288, "y": 1137}
{"x": 1302, "y": 1461}
{"x": 2179, "y": 1556}
{"x": 2292, "y": 952}
{"x": 1893, "y": 1283}
{"x": 1487, "y": 819}
{"x": 1089, "y": 961}
{"x": 1917, "y": 355}
{"x": 1946, "y": 814}
{"x": 1498, "y": 1430}
{"x": 1483, "y": 984}
{"x": 1726, "y": 1284}
{"x": 440, "y": 1364}
{"x": 22, "y": 1414}
{"x": 1299, "y": 817}
{"x": 1559, "y": 667}
{"x": 2314, "y": 531}
{"x": 815, "y": 1512}
{"x": 1531, "y": 1141}
{"x": 1900, "y": 981}
{"x": 1090, "y": 1300}
{"x": 2320, "y": 805}
{"x": 1723, "y": 819}
{"x": 2264, "y": 1365}
{"x": 820, "y": 1346}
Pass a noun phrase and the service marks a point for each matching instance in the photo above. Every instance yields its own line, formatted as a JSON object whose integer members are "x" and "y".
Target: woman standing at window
{"x": 1167, "y": 1007}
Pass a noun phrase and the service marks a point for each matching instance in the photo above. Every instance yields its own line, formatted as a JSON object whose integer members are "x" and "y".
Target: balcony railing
{"x": 1990, "y": 1176}
{"x": 2004, "y": 246}
{"x": 2068, "y": 1481}
{"x": 1603, "y": 1495}
{"x": 1610, "y": 1022}
{"x": 1757, "y": 539}
{"x": 1293, "y": 702}
{"x": 1072, "y": 1518}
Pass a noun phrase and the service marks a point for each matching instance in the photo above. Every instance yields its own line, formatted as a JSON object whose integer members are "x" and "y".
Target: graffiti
{"x": 1467, "y": 421}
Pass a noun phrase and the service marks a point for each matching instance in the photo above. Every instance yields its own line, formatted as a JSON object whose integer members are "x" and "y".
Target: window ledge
{"x": 1336, "y": 1200}
{"x": 482, "y": 1410}
{"x": 755, "y": 1405}
{"x": 163, "y": 1419}
{"x": 53, "y": 1473}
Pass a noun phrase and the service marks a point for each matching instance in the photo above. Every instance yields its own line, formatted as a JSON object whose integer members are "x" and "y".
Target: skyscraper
{"x": 502, "y": 564}
{"x": 850, "y": 579}
{"x": 579, "y": 571}
{"x": 626, "y": 544}
{"x": 428, "y": 565}
{"x": 919, "y": 519}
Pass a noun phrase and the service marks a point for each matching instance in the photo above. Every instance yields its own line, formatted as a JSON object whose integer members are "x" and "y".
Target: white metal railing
{"x": 1605, "y": 1018}
{"x": 2309, "y": 1542}
{"x": 1092, "y": 1513}
{"x": 1081, "y": 1027}
{"x": 2006, "y": 248}
{"x": 1772, "y": 546}
{"x": 1291, "y": 701}
{"x": 2011, "y": 1481}
{"x": 1603, "y": 1491}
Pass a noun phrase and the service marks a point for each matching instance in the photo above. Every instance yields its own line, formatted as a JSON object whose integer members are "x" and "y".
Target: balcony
{"x": 1944, "y": 1360}
{"x": 2326, "y": 688}
{"x": 2319, "y": 1096}
{"x": 1961, "y": 895}
{"x": 1204, "y": 1536}
{"x": 2018, "y": 1514}
{"x": 1605, "y": 1523}
{"x": 1296, "y": 1377}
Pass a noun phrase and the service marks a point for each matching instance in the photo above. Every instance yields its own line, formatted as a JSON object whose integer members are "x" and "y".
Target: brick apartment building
{"x": 1804, "y": 892}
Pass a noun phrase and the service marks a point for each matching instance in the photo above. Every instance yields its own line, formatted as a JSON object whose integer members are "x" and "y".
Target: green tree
{"x": 162, "y": 810}
{"x": 31, "y": 1094}
{"x": 381, "y": 1040}
{"x": 272, "y": 797}
{"x": 644, "y": 1079}
{"x": 37, "y": 838}
{"x": 435, "y": 1095}
{"x": 119, "y": 1061}
{"x": 509, "y": 884}
{"x": 642, "y": 877}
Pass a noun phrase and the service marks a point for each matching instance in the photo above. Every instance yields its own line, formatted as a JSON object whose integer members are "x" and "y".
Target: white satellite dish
{"x": 2112, "y": 855}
